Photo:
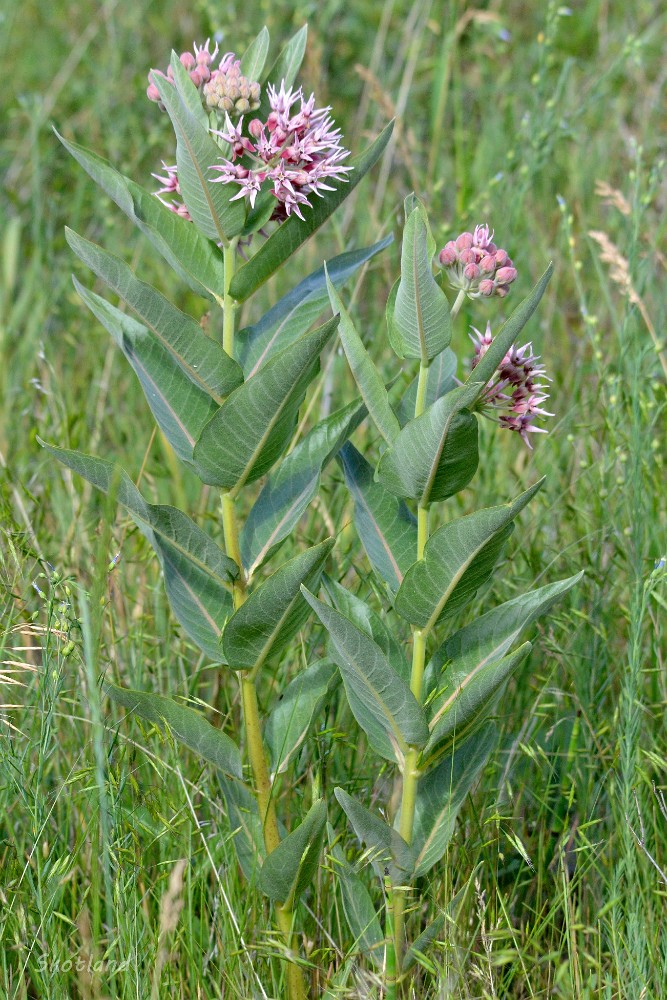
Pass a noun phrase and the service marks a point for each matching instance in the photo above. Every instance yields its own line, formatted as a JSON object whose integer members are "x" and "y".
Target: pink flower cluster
{"x": 170, "y": 185}
{"x": 517, "y": 386}
{"x": 293, "y": 153}
{"x": 198, "y": 66}
{"x": 475, "y": 265}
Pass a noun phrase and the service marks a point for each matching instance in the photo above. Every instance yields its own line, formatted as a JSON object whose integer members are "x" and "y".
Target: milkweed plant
{"x": 258, "y": 168}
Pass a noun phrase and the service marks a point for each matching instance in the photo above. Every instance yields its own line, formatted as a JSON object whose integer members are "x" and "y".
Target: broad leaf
{"x": 441, "y": 380}
{"x": 291, "y": 486}
{"x": 389, "y": 853}
{"x": 464, "y": 699}
{"x": 386, "y": 527}
{"x": 254, "y": 426}
{"x": 412, "y": 203}
{"x": 186, "y": 725}
{"x": 440, "y": 795}
{"x": 296, "y": 311}
{"x": 203, "y": 361}
{"x": 380, "y": 700}
{"x": 366, "y": 375}
{"x": 360, "y": 913}
{"x": 458, "y": 559}
{"x": 435, "y": 455}
{"x": 274, "y": 612}
{"x": 208, "y": 203}
{"x": 245, "y": 824}
{"x": 509, "y": 332}
{"x": 419, "y": 323}
{"x": 254, "y": 57}
{"x": 369, "y": 622}
{"x": 180, "y": 408}
{"x": 197, "y": 572}
{"x": 194, "y": 258}
{"x": 489, "y": 637}
{"x": 289, "y": 721}
{"x": 289, "y": 870}
{"x": 292, "y": 233}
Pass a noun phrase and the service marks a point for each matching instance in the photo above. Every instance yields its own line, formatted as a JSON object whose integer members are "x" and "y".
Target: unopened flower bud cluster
{"x": 474, "y": 264}
{"x": 197, "y": 64}
{"x": 518, "y": 387}
{"x": 230, "y": 92}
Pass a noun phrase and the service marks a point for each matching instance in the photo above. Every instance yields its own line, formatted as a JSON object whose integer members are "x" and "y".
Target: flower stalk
{"x": 410, "y": 769}
{"x": 263, "y": 789}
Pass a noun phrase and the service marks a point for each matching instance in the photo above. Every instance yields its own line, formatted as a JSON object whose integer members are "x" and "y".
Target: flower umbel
{"x": 475, "y": 265}
{"x": 518, "y": 387}
{"x": 292, "y": 154}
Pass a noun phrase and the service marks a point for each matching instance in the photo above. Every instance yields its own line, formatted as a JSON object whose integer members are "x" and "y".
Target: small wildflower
{"x": 518, "y": 386}
{"x": 476, "y": 265}
{"x": 294, "y": 154}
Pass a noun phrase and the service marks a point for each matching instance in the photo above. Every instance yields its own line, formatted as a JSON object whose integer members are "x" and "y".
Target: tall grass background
{"x": 546, "y": 122}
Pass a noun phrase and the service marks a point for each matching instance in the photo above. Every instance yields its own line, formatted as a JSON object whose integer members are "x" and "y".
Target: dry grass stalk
{"x": 619, "y": 272}
{"x": 612, "y": 196}
{"x": 171, "y": 906}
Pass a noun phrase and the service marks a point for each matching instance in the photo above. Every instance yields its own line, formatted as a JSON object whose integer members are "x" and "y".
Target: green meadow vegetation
{"x": 118, "y": 871}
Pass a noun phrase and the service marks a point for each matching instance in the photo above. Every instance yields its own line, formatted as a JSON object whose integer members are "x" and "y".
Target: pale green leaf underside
{"x": 366, "y": 375}
{"x": 285, "y": 68}
{"x": 181, "y": 409}
{"x": 254, "y": 57}
{"x": 360, "y": 913}
{"x": 296, "y": 311}
{"x": 369, "y": 622}
{"x": 197, "y": 573}
{"x": 195, "y": 259}
{"x": 466, "y": 698}
{"x": 441, "y": 380}
{"x": 380, "y": 700}
{"x": 246, "y": 825}
{"x": 203, "y": 361}
{"x": 387, "y": 529}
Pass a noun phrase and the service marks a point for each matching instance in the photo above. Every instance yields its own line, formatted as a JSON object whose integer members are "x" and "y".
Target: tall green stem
{"x": 229, "y": 304}
{"x": 410, "y": 769}
{"x": 296, "y": 989}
